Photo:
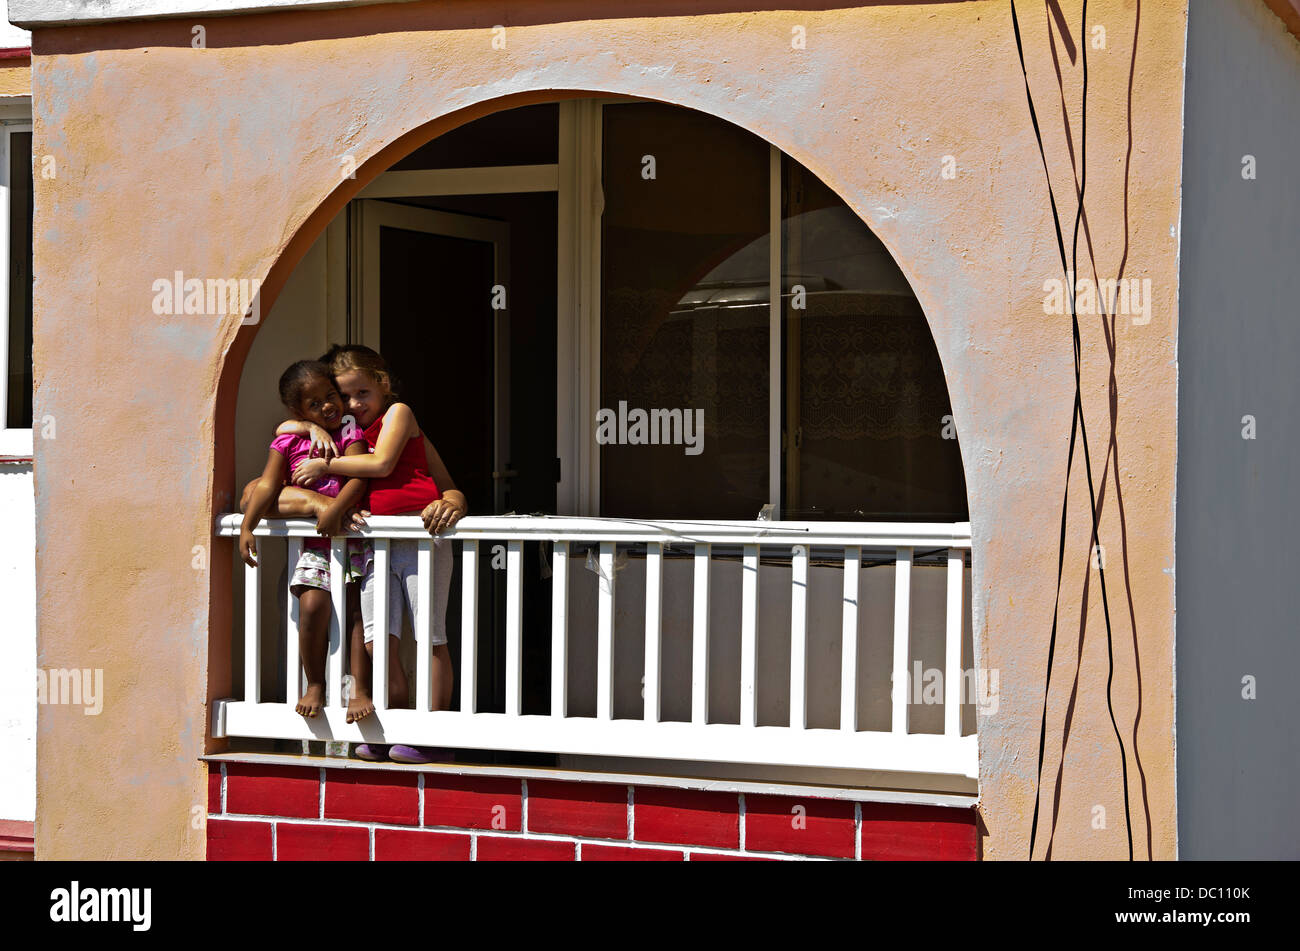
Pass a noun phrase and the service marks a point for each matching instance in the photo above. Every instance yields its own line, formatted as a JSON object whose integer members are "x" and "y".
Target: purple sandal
{"x": 372, "y": 752}
{"x": 419, "y": 755}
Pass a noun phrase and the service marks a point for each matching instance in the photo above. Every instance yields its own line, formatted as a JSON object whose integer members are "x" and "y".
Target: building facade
{"x": 907, "y": 587}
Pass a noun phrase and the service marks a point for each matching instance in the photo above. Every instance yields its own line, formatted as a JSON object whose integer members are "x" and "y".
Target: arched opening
{"x": 726, "y": 341}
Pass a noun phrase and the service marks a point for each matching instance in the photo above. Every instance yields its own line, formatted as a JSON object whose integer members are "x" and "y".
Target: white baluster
{"x": 294, "y": 676}
{"x": 700, "y": 639}
{"x": 514, "y": 617}
{"x": 469, "y": 628}
{"x": 849, "y": 642}
{"x": 952, "y": 672}
{"x": 749, "y": 637}
{"x": 605, "y": 634}
{"x": 338, "y": 616}
{"x": 559, "y": 629}
{"x": 902, "y": 628}
{"x": 380, "y": 632}
{"x": 423, "y": 622}
{"x": 799, "y": 638}
{"x": 654, "y": 580}
{"x": 253, "y": 629}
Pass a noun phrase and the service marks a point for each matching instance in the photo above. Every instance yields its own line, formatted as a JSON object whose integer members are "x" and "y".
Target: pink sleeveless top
{"x": 409, "y": 487}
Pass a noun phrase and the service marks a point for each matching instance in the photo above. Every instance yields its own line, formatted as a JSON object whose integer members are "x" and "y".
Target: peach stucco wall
{"x": 224, "y": 162}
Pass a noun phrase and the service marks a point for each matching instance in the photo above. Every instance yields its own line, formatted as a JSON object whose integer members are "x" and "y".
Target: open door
{"x": 426, "y": 285}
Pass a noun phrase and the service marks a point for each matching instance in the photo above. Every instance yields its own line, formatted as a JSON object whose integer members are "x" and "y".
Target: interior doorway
{"x": 458, "y": 293}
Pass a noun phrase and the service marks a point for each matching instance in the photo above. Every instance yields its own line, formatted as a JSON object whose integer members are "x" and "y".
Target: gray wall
{"x": 1238, "y": 342}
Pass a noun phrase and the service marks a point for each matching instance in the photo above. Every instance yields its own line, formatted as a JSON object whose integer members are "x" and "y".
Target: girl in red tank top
{"x": 406, "y": 477}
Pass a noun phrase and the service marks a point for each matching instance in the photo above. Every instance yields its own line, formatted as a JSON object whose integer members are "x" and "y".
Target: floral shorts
{"x": 313, "y": 568}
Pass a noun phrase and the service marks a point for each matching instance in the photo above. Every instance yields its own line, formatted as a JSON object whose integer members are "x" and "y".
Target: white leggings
{"x": 403, "y": 586}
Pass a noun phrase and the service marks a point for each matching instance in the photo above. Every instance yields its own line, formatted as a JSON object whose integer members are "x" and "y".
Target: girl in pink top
{"x": 412, "y": 480}
{"x": 308, "y": 391}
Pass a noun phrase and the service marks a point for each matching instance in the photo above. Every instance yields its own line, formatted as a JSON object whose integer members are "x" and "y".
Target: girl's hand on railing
{"x": 248, "y": 548}
{"x": 442, "y": 514}
{"x": 357, "y": 520}
{"x": 322, "y": 443}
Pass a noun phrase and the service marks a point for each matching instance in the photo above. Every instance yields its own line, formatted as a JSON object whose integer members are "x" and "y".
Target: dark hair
{"x": 342, "y": 357}
{"x": 296, "y": 378}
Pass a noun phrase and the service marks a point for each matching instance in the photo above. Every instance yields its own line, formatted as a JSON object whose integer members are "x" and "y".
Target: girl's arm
{"x": 399, "y": 427}
{"x": 442, "y": 514}
{"x": 322, "y": 443}
{"x": 267, "y": 488}
{"x": 331, "y": 520}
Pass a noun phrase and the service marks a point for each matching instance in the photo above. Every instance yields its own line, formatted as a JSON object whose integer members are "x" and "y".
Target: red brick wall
{"x": 301, "y": 812}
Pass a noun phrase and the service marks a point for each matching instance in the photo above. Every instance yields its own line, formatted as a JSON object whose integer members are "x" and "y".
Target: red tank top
{"x": 409, "y": 487}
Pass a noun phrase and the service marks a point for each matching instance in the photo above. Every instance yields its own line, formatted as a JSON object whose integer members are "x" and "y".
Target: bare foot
{"x": 312, "y": 701}
{"x": 360, "y": 707}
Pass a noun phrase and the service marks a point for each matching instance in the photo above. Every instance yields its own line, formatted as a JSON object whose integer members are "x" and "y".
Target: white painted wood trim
{"x": 902, "y": 638}
{"x": 952, "y": 671}
{"x": 489, "y": 180}
{"x": 700, "y": 639}
{"x": 380, "y": 632}
{"x": 559, "y": 629}
{"x": 294, "y": 676}
{"x": 799, "y": 638}
{"x": 749, "y": 608}
{"x": 253, "y": 631}
{"x": 716, "y": 742}
{"x": 423, "y": 624}
{"x": 849, "y": 642}
{"x": 338, "y": 622}
{"x": 605, "y": 633}
{"x": 874, "y": 535}
{"x": 514, "y": 630}
{"x": 654, "y": 581}
{"x": 469, "y": 627}
{"x": 30, "y": 14}
{"x": 774, "y": 269}
{"x": 17, "y": 441}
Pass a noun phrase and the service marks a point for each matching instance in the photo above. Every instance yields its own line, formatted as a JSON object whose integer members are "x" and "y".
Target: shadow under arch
{"x": 366, "y": 171}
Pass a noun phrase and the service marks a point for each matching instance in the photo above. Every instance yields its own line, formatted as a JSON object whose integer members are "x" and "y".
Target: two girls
{"x": 406, "y": 477}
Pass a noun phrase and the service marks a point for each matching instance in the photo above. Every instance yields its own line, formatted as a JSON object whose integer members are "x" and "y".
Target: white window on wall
{"x": 16, "y": 287}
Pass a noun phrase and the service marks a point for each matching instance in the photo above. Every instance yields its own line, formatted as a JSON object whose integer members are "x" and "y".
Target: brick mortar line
{"x": 857, "y": 831}
{"x": 740, "y": 819}
{"x": 475, "y": 834}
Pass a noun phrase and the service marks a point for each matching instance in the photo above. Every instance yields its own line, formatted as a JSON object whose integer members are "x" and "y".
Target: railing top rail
{"x": 563, "y": 528}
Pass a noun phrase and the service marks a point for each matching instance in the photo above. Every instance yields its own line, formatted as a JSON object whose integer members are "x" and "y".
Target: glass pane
{"x": 529, "y": 135}
{"x": 19, "y": 411}
{"x": 684, "y": 316}
{"x": 865, "y": 393}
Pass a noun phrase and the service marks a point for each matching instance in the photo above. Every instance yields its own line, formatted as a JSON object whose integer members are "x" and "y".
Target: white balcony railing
{"x": 795, "y": 744}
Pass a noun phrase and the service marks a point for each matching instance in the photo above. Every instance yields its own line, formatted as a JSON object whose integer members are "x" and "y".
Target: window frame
{"x": 15, "y": 117}
{"x": 581, "y": 172}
